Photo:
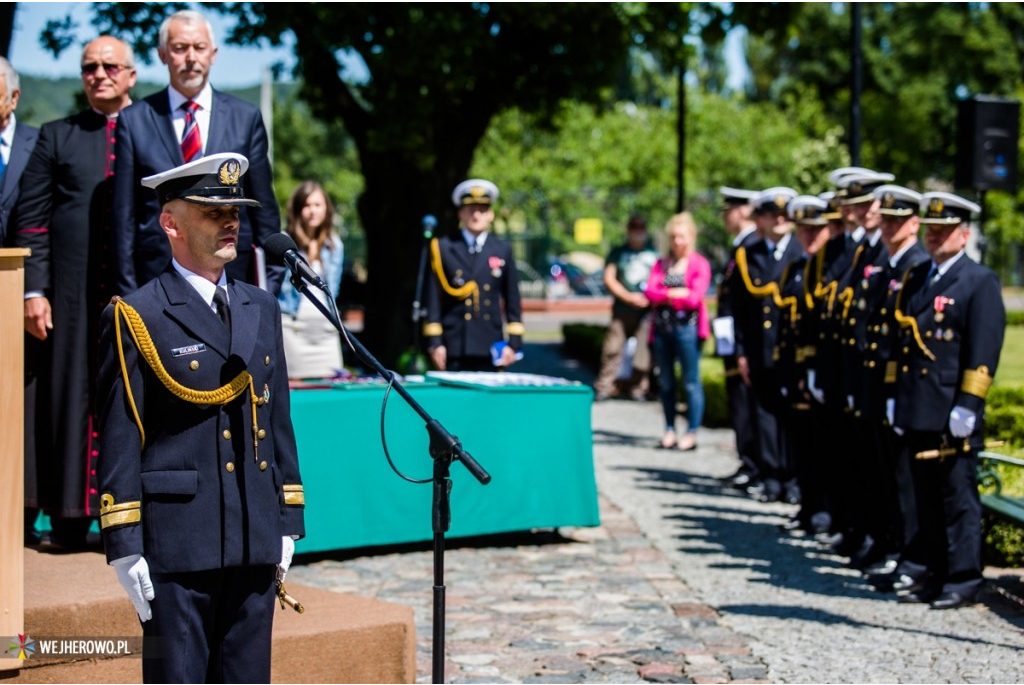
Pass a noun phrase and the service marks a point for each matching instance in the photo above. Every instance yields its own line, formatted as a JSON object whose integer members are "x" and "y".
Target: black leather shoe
{"x": 951, "y": 600}
{"x": 923, "y": 596}
{"x": 740, "y": 480}
{"x": 883, "y": 582}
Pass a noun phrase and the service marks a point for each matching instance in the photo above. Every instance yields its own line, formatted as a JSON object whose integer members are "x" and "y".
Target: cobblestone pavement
{"x": 684, "y": 581}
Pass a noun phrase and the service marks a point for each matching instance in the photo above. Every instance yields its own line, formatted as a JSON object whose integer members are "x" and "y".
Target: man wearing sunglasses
{"x": 64, "y": 218}
{"x": 183, "y": 123}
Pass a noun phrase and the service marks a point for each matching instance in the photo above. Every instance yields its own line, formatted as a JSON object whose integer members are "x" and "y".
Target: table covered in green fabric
{"x": 534, "y": 441}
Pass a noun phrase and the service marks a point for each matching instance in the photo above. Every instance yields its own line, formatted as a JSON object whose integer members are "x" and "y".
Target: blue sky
{"x": 235, "y": 67}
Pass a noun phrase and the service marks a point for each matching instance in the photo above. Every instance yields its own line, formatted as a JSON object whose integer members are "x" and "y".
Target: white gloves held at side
{"x": 962, "y": 422}
{"x": 287, "y": 552}
{"x": 817, "y": 393}
{"x": 133, "y": 573}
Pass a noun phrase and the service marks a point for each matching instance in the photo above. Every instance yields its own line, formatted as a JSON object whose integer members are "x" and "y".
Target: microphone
{"x": 429, "y": 224}
{"x": 281, "y": 249}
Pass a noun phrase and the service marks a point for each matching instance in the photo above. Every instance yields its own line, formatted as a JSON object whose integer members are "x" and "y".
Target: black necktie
{"x": 220, "y": 298}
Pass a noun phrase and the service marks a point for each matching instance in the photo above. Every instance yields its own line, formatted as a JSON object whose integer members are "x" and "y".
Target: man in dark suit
{"x": 200, "y": 494}
{"x": 16, "y": 143}
{"x": 474, "y": 290}
{"x": 952, "y": 322}
{"x": 757, "y": 326}
{"x": 736, "y": 215}
{"x": 64, "y": 218}
{"x": 189, "y": 119}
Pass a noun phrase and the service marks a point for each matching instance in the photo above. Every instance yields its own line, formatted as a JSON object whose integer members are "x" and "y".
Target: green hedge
{"x": 1015, "y": 318}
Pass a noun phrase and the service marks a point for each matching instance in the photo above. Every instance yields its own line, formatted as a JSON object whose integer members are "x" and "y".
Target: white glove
{"x": 287, "y": 552}
{"x": 961, "y": 422}
{"x": 816, "y": 393}
{"x": 849, "y": 401}
{"x": 890, "y": 411}
{"x": 133, "y": 573}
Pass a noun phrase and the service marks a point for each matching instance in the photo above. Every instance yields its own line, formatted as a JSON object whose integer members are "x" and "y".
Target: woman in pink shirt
{"x": 676, "y": 291}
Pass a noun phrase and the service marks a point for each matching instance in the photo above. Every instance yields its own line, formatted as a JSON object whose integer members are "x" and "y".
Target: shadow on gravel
{"x": 827, "y": 618}
{"x": 603, "y": 437}
{"x": 751, "y": 539}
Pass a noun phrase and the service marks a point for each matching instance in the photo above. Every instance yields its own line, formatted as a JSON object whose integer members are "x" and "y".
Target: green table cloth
{"x": 535, "y": 441}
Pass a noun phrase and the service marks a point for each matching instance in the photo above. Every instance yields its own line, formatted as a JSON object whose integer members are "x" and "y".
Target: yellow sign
{"x": 587, "y": 231}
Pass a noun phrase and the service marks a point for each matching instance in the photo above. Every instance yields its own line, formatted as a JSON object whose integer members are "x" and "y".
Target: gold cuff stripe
{"x": 432, "y": 330}
{"x": 732, "y": 372}
{"x": 293, "y": 495}
{"x": 120, "y": 518}
{"x": 977, "y": 382}
{"x": 516, "y": 328}
{"x": 890, "y": 372}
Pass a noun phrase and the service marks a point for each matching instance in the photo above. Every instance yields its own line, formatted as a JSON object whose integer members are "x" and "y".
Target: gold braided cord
{"x": 435, "y": 258}
{"x": 144, "y": 343}
{"x": 770, "y": 289}
{"x": 846, "y": 297}
{"x": 783, "y": 302}
{"x": 808, "y": 295}
{"x": 909, "y": 321}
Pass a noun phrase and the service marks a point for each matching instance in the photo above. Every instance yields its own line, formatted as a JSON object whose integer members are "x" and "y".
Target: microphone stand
{"x": 444, "y": 448}
{"x": 415, "y": 362}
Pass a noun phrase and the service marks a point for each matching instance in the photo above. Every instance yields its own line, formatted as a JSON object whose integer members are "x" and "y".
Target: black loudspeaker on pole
{"x": 988, "y": 129}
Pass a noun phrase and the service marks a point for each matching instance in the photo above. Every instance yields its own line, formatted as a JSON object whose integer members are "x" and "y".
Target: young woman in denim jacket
{"x": 312, "y": 346}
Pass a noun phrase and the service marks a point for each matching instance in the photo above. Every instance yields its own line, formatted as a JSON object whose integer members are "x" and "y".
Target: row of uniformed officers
{"x": 860, "y": 341}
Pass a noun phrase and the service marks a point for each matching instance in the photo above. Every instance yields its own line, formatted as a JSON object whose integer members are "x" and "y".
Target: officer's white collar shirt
{"x": 941, "y": 269}
{"x": 742, "y": 235}
{"x": 7, "y": 138}
{"x": 857, "y": 234}
{"x": 778, "y": 249}
{"x": 474, "y": 241}
{"x": 874, "y": 236}
{"x": 205, "y": 101}
{"x": 895, "y": 259}
{"x": 205, "y": 288}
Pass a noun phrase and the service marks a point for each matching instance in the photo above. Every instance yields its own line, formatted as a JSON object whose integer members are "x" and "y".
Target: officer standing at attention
{"x": 200, "y": 494}
{"x": 737, "y": 211}
{"x": 952, "y": 320}
{"x": 475, "y": 288}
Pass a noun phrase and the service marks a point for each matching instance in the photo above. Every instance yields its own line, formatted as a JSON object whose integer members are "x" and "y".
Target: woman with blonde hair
{"x": 312, "y": 346}
{"x": 676, "y": 290}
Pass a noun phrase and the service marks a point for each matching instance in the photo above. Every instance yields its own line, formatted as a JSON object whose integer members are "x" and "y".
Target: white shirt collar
{"x": 941, "y": 269}
{"x": 857, "y": 234}
{"x": 874, "y": 236}
{"x": 780, "y": 247}
{"x": 474, "y": 239}
{"x": 204, "y": 98}
{"x": 742, "y": 235}
{"x": 895, "y": 259}
{"x": 204, "y": 287}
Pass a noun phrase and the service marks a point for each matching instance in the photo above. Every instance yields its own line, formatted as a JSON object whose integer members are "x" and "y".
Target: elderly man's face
{"x": 106, "y": 78}
{"x": 944, "y": 241}
{"x": 7, "y": 108}
{"x": 189, "y": 54}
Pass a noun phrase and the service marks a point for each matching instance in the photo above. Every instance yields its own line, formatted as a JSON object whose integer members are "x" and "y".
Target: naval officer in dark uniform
{"x": 200, "y": 494}
{"x": 951, "y": 317}
{"x": 474, "y": 289}
{"x": 737, "y": 211}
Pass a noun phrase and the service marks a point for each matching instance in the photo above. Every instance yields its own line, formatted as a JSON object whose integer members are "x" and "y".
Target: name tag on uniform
{"x": 191, "y": 349}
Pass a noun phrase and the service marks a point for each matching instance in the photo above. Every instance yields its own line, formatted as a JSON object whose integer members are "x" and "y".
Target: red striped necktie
{"x": 191, "y": 145}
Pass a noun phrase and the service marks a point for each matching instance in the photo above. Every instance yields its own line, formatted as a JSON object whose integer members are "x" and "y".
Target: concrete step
{"x": 339, "y": 639}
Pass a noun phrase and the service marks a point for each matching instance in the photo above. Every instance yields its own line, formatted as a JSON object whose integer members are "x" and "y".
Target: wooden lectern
{"x": 12, "y": 446}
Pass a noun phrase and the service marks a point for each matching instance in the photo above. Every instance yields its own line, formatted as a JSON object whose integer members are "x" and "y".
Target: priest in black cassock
{"x": 63, "y": 217}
